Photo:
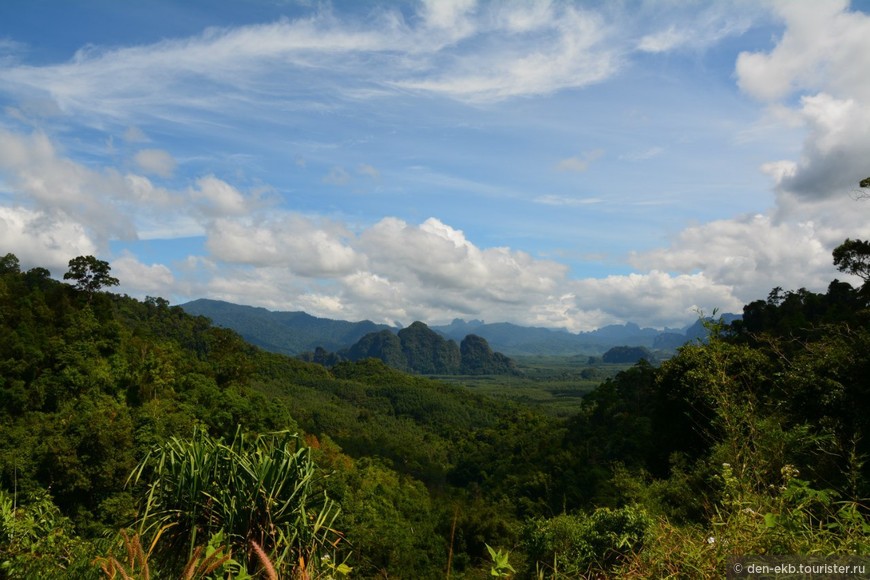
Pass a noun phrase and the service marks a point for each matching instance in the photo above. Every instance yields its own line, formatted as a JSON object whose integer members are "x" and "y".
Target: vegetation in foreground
{"x": 138, "y": 441}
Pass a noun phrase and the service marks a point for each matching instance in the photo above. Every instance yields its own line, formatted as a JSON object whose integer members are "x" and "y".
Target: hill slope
{"x": 289, "y": 333}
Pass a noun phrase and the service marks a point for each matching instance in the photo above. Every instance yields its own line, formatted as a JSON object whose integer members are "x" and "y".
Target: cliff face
{"x": 420, "y": 349}
{"x": 428, "y": 352}
{"x": 479, "y": 359}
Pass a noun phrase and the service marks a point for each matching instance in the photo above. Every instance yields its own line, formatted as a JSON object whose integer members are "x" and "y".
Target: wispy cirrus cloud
{"x": 579, "y": 163}
{"x": 518, "y": 50}
{"x": 566, "y": 200}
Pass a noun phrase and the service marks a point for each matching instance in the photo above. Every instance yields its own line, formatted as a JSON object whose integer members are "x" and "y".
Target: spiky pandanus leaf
{"x": 251, "y": 489}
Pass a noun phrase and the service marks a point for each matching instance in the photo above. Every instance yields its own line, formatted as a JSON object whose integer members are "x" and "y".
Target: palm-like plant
{"x": 258, "y": 489}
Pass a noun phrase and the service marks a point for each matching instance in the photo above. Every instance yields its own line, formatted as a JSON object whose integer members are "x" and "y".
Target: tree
{"x": 9, "y": 264}
{"x": 90, "y": 274}
{"x": 853, "y": 257}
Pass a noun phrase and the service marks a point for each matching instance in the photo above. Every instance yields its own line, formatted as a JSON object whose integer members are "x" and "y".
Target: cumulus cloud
{"x": 155, "y": 161}
{"x": 749, "y": 254}
{"x": 218, "y": 198}
{"x": 836, "y": 149}
{"x": 61, "y": 198}
{"x": 655, "y": 298}
{"x": 138, "y": 279}
{"x": 41, "y": 239}
{"x": 33, "y": 168}
{"x": 396, "y": 272}
{"x": 823, "y": 57}
{"x": 307, "y": 248}
{"x": 824, "y": 44}
{"x": 393, "y": 270}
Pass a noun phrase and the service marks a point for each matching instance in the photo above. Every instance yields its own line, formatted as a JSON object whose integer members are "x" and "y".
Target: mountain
{"x": 627, "y": 354}
{"x": 419, "y": 349}
{"x": 295, "y": 333}
{"x": 479, "y": 359}
{"x": 512, "y": 339}
{"x": 429, "y": 353}
{"x": 289, "y": 333}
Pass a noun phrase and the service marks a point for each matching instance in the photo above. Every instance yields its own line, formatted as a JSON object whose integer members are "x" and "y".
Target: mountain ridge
{"x": 296, "y": 332}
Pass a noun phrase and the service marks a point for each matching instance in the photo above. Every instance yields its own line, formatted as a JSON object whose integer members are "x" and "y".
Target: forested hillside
{"x": 138, "y": 439}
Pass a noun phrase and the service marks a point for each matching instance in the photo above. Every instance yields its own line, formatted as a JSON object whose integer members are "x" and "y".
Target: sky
{"x": 560, "y": 164}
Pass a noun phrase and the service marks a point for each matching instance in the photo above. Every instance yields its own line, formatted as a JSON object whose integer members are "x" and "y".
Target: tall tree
{"x": 90, "y": 274}
{"x": 853, "y": 257}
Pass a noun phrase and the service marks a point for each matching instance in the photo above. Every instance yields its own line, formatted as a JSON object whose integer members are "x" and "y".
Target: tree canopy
{"x": 853, "y": 257}
{"x": 90, "y": 274}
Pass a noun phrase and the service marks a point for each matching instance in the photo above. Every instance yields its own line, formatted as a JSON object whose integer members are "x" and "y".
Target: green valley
{"x": 137, "y": 440}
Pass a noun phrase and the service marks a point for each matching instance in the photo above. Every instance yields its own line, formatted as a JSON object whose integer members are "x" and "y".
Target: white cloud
{"x": 396, "y": 272}
{"x": 750, "y": 255}
{"x": 655, "y": 299}
{"x": 31, "y": 165}
{"x": 368, "y": 170}
{"x": 448, "y": 15}
{"x": 568, "y": 201}
{"x": 643, "y": 155}
{"x": 40, "y": 239}
{"x": 218, "y": 198}
{"x": 520, "y": 50}
{"x": 392, "y": 270}
{"x": 662, "y": 41}
{"x": 557, "y": 49}
{"x": 337, "y": 176}
{"x": 155, "y": 161}
{"x": 307, "y": 248}
{"x": 138, "y": 279}
{"x": 824, "y": 44}
{"x": 580, "y": 163}
{"x": 823, "y": 56}
{"x": 135, "y": 135}
{"x": 695, "y": 25}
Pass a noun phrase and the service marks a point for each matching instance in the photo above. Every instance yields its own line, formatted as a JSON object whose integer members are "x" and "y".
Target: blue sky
{"x": 563, "y": 164}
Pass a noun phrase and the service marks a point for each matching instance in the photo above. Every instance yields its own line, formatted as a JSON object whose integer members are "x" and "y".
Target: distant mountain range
{"x": 289, "y": 333}
{"x": 294, "y": 333}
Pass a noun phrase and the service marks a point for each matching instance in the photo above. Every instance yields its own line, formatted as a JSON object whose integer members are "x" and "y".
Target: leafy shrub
{"x": 581, "y": 544}
{"x": 37, "y": 541}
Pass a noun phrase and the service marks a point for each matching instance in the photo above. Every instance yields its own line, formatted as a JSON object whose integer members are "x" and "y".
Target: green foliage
{"x": 37, "y": 541}
{"x": 90, "y": 274}
{"x": 428, "y": 352}
{"x": 419, "y": 349}
{"x": 627, "y": 354}
{"x": 479, "y": 359}
{"x": 585, "y": 545}
{"x": 391, "y": 522}
{"x": 384, "y": 345}
{"x": 853, "y": 257}
{"x": 424, "y": 471}
{"x": 254, "y": 489}
{"x": 9, "y": 264}
{"x": 501, "y": 567}
{"x": 790, "y": 517}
